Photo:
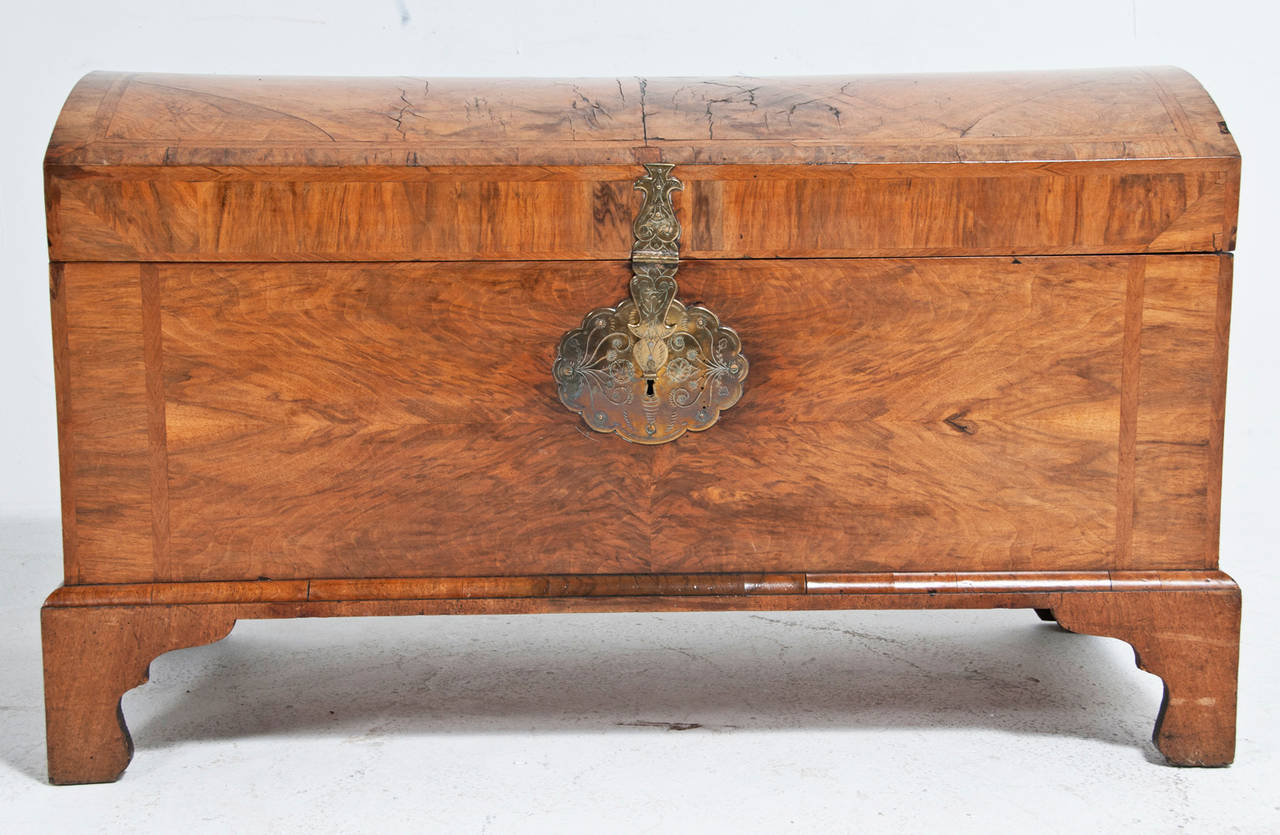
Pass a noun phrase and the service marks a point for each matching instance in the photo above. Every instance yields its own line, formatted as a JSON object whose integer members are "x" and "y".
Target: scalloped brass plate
{"x": 650, "y": 368}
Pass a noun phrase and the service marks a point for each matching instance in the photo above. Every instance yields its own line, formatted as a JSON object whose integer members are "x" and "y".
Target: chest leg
{"x": 1191, "y": 640}
{"x": 92, "y": 655}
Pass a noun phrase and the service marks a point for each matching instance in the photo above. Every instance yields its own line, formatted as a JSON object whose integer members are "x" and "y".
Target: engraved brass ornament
{"x": 651, "y": 368}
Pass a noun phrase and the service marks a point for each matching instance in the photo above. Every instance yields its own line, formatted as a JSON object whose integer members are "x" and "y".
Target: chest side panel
{"x": 400, "y": 420}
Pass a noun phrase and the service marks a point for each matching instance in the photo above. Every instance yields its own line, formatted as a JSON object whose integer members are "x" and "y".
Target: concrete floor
{"x": 871, "y": 721}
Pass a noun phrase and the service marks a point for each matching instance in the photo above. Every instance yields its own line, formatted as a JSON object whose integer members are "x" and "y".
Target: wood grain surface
{"x": 729, "y": 212}
{"x": 633, "y": 585}
{"x": 171, "y": 168}
{"x": 95, "y": 653}
{"x": 400, "y": 421}
{"x": 1116, "y": 114}
{"x": 92, "y": 656}
{"x": 103, "y": 421}
{"x": 1191, "y": 640}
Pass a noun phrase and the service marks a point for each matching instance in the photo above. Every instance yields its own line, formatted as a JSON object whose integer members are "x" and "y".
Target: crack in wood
{"x": 591, "y": 113}
{"x": 749, "y": 92}
{"x": 958, "y": 423}
{"x": 644, "y": 117}
{"x": 830, "y": 108}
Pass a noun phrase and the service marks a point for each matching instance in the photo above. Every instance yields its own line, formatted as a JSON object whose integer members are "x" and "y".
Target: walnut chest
{"x": 393, "y": 345}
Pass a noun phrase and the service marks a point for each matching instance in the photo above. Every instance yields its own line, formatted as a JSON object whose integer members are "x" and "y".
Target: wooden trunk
{"x": 304, "y": 335}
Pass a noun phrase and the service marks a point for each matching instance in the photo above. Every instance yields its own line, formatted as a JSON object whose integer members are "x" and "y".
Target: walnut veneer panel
{"x": 586, "y": 213}
{"x": 559, "y": 587}
{"x": 103, "y": 421}
{"x": 400, "y": 420}
{"x": 153, "y": 119}
{"x": 1178, "y": 453}
{"x": 173, "y": 168}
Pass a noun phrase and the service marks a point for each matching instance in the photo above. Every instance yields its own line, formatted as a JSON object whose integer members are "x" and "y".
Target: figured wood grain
{"x": 762, "y": 211}
{"x": 1114, "y": 114}
{"x": 253, "y": 169}
{"x": 104, "y": 421}
{"x": 399, "y": 420}
{"x": 326, "y": 420}
{"x": 1179, "y": 417}
{"x": 972, "y": 116}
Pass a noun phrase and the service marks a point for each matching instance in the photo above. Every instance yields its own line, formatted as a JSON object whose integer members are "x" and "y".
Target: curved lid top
{"x": 174, "y": 120}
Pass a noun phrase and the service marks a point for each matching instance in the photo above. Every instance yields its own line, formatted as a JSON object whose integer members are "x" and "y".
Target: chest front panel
{"x": 240, "y": 421}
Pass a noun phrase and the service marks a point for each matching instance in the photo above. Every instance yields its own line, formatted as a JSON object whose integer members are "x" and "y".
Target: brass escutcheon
{"x": 651, "y": 369}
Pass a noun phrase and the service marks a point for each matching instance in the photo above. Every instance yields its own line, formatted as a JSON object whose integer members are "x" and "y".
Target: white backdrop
{"x": 44, "y": 47}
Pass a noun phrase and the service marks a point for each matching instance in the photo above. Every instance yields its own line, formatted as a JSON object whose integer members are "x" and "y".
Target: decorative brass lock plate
{"x": 651, "y": 368}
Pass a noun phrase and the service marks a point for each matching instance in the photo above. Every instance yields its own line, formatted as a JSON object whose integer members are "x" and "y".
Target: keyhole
{"x": 649, "y": 388}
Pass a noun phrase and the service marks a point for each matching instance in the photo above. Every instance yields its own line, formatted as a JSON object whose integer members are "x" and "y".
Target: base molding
{"x": 99, "y": 640}
{"x": 632, "y": 585}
